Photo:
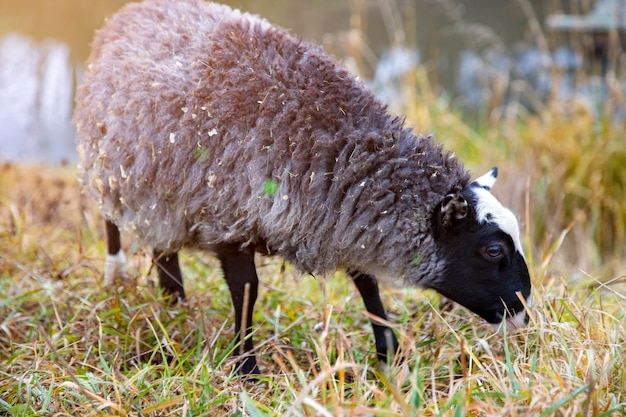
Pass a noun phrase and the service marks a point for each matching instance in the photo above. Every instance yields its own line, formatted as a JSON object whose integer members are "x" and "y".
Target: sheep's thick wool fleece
{"x": 200, "y": 125}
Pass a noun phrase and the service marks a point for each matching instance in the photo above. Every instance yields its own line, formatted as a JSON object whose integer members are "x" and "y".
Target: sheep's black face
{"x": 485, "y": 266}
{"x": 484, "y": 272}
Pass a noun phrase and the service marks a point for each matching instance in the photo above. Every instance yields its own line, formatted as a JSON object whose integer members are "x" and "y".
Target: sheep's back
{"x": 199, "y": 125}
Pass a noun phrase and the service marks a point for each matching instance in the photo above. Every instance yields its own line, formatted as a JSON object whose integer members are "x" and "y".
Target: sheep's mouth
{"x": 512, "y": 322}
{"x": 512, "y": 319}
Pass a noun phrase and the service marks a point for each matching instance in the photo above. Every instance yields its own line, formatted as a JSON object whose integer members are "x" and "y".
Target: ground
{"x": 71, "y": 346}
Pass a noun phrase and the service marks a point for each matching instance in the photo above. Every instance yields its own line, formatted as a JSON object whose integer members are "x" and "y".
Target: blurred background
{"x": 536, "y": 87}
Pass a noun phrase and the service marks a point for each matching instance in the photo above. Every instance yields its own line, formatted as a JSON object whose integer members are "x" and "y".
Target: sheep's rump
{"x": 199, "y": 125}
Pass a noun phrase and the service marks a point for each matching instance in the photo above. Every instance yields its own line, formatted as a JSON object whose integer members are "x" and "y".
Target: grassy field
{"x": 70, "y": 346}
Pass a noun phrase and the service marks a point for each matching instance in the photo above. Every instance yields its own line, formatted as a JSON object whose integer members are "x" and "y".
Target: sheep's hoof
{"x": 387, "y": 347}
{"x": 247, "y": 367}
{"x": 173, "y": 298}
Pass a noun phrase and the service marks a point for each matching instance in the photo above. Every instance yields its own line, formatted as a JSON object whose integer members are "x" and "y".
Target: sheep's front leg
{"x": 243, "y": 283}
{"x": 386, "y": 341}
{"x": 170, "y": 277}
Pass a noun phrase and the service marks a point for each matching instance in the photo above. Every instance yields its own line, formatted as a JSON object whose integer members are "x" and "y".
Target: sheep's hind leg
{"x": 170, "y": 277}
{"x": 386, "y": 341}
{"x": 243, "y": 283}
{"x": 115, "y": 260}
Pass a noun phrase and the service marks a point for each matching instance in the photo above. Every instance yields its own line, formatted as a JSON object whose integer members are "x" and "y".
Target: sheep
{"x": 204, "y": 127}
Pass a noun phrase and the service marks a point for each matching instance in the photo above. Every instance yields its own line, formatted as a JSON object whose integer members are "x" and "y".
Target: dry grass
{"x": 68, "y": 346}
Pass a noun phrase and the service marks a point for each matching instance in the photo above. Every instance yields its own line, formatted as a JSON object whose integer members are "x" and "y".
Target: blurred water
{"x": 36, "y": 84}
{"x": 531, "y": 77}
{"x": 388, "y": 81}
{"x": 42, "y": 48}
{"x": 36, "y": 88}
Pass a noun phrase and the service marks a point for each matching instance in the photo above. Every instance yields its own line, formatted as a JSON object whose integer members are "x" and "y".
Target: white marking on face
{"x": 490, "y": 210}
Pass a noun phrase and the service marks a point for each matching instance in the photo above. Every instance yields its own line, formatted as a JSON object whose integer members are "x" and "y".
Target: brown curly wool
{"x": 200, "y": 125}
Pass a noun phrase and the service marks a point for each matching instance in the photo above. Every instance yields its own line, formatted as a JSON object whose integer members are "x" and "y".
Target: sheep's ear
{"x": 453, "y": 208}
{"x": 488, "y": 180}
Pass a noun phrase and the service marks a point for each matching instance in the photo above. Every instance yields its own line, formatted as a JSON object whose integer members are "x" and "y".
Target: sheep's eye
{"x": 493, "y": 252}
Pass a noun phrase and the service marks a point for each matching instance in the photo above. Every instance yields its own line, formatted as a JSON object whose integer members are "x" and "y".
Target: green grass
{"x": 69, "y": 346}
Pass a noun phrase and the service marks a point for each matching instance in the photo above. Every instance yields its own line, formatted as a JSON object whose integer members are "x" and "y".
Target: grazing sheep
{"x": 205, "y": 127}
